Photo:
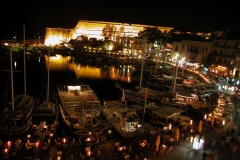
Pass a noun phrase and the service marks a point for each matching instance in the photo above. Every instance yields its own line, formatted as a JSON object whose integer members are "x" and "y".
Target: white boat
{"x": 79, "y": 105}
{"x": 16, "y": 118}
{"x": 124, "y": 120}
{"x": 45, "y": 118}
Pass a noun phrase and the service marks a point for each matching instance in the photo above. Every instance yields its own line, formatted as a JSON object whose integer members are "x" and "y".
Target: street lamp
{"x": 39, "y": 40}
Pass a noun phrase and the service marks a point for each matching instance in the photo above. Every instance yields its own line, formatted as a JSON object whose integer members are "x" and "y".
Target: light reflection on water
{"x": 61, "y": 63}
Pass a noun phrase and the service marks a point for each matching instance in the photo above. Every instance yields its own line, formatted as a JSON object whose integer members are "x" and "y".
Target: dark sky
{"x": 37, "y": 15}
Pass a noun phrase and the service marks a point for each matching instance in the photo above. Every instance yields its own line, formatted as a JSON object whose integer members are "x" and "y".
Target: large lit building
{"x": 93, "y": 29}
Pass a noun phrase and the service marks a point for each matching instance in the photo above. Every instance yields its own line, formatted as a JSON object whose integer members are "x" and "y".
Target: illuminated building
{"x": 93, "y": 29}
{"x": 133, "y": 46}
{"x": 221, "y": 70}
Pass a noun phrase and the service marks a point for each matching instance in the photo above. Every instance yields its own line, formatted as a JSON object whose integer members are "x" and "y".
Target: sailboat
{"x": 16, "y": 118}
{"x": 45, "y": 118}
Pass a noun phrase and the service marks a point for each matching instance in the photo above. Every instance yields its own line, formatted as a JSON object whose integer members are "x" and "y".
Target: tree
{"x": 119, "y": 32}
{"x": 151, "y": 34}
{"x": 109, "y": 31}
{"x": 72, "y": 42}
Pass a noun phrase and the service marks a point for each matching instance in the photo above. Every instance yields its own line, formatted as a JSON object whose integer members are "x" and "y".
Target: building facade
{"x": 133, "y": 46}
{"x": 93, "y": 29}
{"x": 225, "y": 51}
{"x": 193, "y": 50}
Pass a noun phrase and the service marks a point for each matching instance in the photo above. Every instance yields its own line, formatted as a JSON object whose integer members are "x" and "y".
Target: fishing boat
{"x": 16, "y": 118}
{"x": 124, "y": 120}
{"x": 79, "y": 105}
{"x": 45, "y": 118}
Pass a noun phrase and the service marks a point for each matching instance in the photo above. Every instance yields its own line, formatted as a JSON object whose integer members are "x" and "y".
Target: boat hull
{"x": 79, "y": 104}
{"x": 45, "y": 119}
{"x": 20, "y": 120}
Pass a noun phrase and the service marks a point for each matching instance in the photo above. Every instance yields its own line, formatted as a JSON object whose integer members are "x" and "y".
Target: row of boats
{"x": 82, "y": 111}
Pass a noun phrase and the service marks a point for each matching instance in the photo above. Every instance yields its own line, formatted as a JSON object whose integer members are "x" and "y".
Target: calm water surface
{"x": 101, "y": 79}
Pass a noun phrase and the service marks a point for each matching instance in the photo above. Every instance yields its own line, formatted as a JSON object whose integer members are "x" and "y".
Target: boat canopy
{"x": 165, "y": 112}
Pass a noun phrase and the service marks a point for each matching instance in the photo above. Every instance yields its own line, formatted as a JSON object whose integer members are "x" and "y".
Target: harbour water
{"x": 100, "y": 78}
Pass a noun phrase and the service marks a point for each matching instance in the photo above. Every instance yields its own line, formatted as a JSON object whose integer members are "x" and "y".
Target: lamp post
{"x": 39, "y": 40}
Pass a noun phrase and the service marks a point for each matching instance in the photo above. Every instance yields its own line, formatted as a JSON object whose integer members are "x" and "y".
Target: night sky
{"x": 194, "y": 15}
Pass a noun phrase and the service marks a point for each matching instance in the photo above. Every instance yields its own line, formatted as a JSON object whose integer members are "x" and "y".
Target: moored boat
{"x": 79, "y": 104}
{"x": 45, "y": 118}
{"x": 124, "y": 120}
{"x": 16, "y": 118}
{"x": 19, "y": 120}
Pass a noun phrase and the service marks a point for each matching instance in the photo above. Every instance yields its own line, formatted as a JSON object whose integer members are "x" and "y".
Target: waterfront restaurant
{"x": 221, "y": 70}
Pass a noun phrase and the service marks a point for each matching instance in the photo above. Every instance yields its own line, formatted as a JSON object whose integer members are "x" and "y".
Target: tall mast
{"x": 143, "y": 59}
{"x": 11, "y": 71}
{"x": 176, "y": 74}
{"x": 24, "y": 57}
{"x": 48, "y": 74}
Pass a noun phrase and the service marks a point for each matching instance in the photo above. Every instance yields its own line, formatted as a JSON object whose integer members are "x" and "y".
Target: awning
{"x": 167, "y": 112}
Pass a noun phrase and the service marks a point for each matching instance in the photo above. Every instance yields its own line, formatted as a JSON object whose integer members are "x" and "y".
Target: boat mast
{"x": 176, "y": 73}
{"x": 11, "y": 70}
{"x": 143, "y": 58}
{"x": 158, "y": 52}
{"x": 24, "y": 57}
{"x": 48, "y": 74}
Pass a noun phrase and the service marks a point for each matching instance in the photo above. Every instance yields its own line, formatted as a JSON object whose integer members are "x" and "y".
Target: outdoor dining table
{"x": 169, "y": 139}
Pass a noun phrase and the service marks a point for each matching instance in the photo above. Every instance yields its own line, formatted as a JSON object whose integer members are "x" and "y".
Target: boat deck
{"x": 85, "y": 94}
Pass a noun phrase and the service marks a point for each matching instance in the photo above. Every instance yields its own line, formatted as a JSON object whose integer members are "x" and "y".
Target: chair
{"x": 28, "y": 146}
{"x": 58, "y": 143}
{"x": 49, "y": 141}
{"x": 65, "y": 145}
{"x": 136, "y": 157}
{"x": 123, "y": 155}
{"x": 127, "y": 157}
{"x": 72, "y": 142}
{"x": 44, "y": 147}
{"x": 71, "y": 158}
{"x": 59, "y": 153}
{"x": 117, "y": 144}
{"x": 29, "y": 143}
{"x": 170, "y": 149}
{"x": 97, "y": 140}
{"x": 162, "y": 151}
{"x": 98, "y": 153}
{"x": 87, "y": 149}
{"x": 36, "y": 157}
{"x": 114, "y": 153}
{"x": 129, "y": 149}
{"x": 82, "y": 156}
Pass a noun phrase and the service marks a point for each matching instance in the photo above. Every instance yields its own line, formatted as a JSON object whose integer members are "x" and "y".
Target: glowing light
{"x": 170, "y": 126}
{"x": 191, "y": 121}
{"x": 205, "y": 116}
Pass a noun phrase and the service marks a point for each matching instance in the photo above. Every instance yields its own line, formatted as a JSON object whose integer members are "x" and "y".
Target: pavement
{"x": 184, "y": 150}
